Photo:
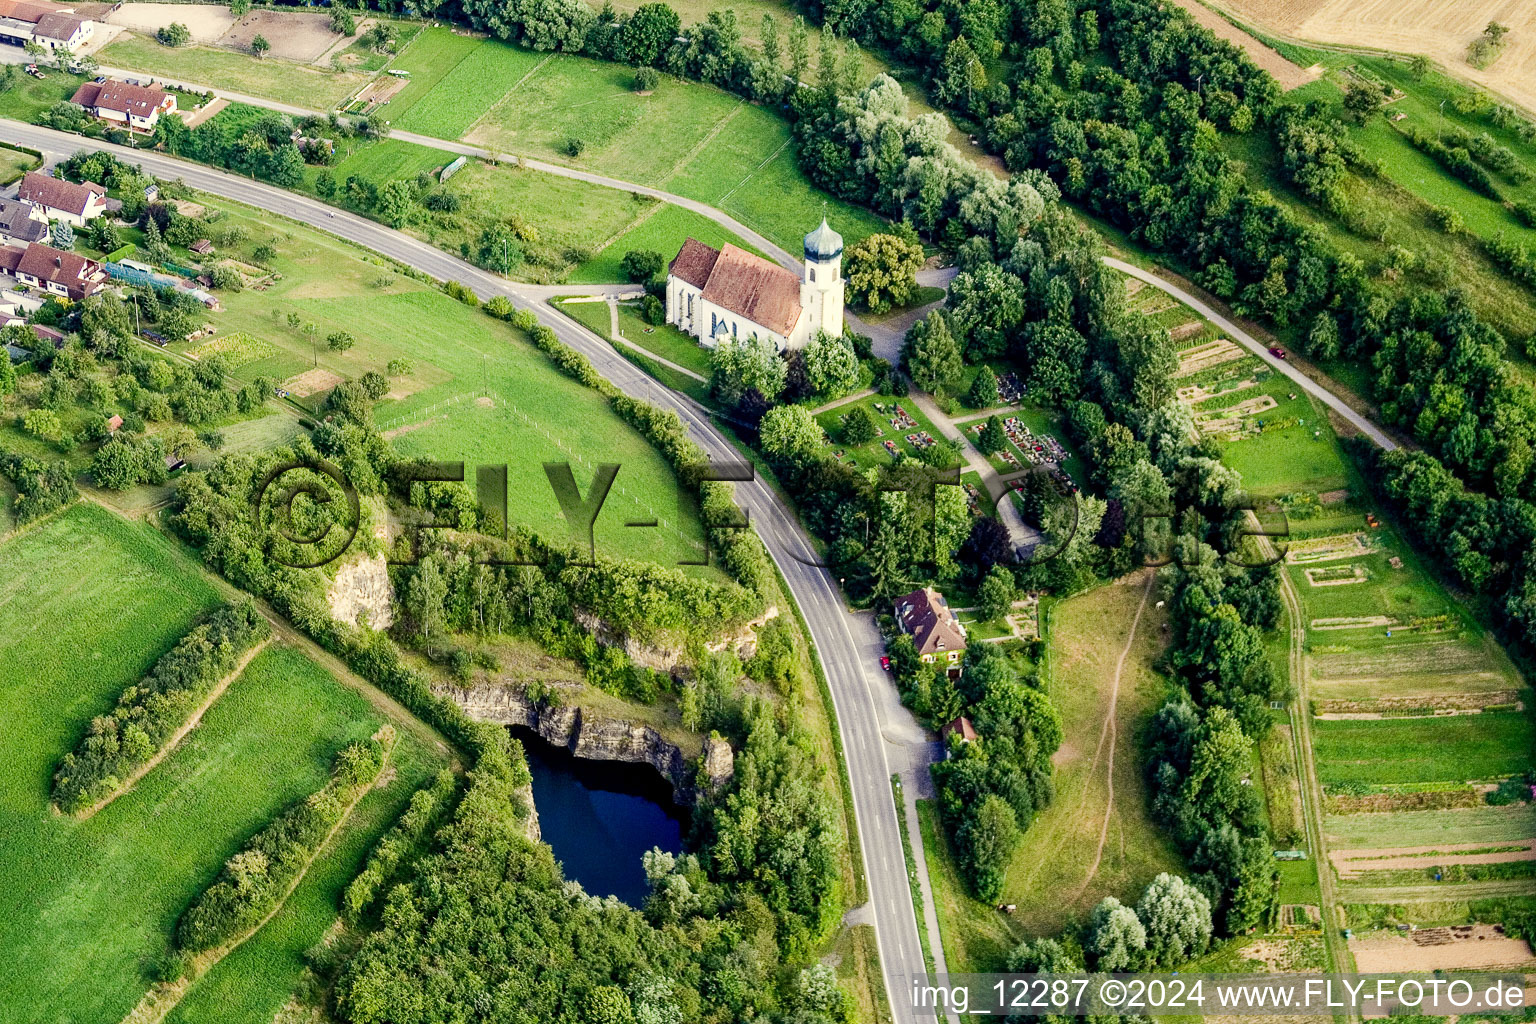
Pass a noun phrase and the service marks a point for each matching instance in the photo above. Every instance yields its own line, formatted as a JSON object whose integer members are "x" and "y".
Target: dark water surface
{"x": 600, "y": 817}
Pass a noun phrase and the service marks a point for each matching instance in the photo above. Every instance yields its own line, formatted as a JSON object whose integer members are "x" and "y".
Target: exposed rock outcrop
{"x": 530, "y": 823}
{"x": 362, "y": 586}
{"x": 596, "y": 738}
{"x": 742, "y": 641}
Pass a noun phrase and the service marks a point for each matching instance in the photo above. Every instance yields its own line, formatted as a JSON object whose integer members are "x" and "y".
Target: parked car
{"x": 1277, "y": 352}
{"x": 885, "y": 662}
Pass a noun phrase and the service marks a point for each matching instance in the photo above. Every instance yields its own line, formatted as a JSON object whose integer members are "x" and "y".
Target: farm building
{"x": 58, "y": 199}
{"x": 137, "y": 106}
{"x": 48, "y": 25}
{"x": 53, "y": 270}
{"x": 925, "y": 615}
{"x": 728, "y": 293}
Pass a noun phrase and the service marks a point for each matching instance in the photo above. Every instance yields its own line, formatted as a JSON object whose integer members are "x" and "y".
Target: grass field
{"x": 30, "y": 97}
{"x": 285, "y": 81}
{"x": 14, "y": 163}
{"x": 533, "y": 414}
{"x": 685, "y": 137}
{"x": 1049, "y": 876}
{"x": 664, "y": 230}
{"x": 102, "y": 895}
{"x": 1419, "y": 751}
{"x": 1427, "y": 828}
{"x": 662, "y": 339}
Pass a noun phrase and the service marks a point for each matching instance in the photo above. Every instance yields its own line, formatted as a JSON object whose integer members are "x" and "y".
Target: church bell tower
{"x": 821, "y": 289}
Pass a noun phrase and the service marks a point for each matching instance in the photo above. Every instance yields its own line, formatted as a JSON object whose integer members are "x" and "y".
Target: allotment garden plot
{"x": 465, "y": 387}
{"x": 1417, "y": 715}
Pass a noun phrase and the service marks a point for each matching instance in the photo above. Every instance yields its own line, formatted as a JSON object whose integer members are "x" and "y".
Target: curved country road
{"x": 879, "y": 736}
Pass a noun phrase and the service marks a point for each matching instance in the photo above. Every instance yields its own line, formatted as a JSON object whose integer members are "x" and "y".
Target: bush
{"x": 640, "y": 265}
{"x": 149, "y": 712}
{"x": 653, "y": 310}
{"x": 174, "y": 34}
{"x": 574, "y": 146}
{"x": 647, "y": 79}
{"x": 427, "y": 806}
{"x": 257, "y": 878}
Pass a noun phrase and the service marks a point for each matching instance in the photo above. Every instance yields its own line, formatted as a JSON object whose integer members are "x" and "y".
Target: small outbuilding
{"x": 960, "y": 727}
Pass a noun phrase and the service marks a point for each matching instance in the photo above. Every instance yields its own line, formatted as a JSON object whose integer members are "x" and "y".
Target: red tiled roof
{"x": 23, "y": 11}
{"x": 58, "y": 194}
{"x": 757, "y": 289}
{"x": 960, "y": 726}
{"x": 693, "y": 262}
{"x": 64, "y": 268}
{"x": 124, "y": 97}
{"x": 10, "y": 258}
{"x": 933, "y": 626}
{"x": 57, "y": 25}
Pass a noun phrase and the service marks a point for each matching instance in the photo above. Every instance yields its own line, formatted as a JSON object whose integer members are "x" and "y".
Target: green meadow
{"x": 1421, "y": 752}
{"x": 90, "y": 904}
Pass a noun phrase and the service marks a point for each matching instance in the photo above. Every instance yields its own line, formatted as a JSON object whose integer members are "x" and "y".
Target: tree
{"x": 860, "y": 426}
{"x": 342, "y": 22}
{"x": 1362, "y": 98}
{"x": 648, "y": 33}
{"x": 43, "y": 423}
{"x": 1419, "y": 66}
{"x": 260, "y": 46}
{"x": 830, "y": 365}
{"x": 1177, "y": 917}
{"x": 63, "y": 235}
{"x": 424, "y": 597}
{"x": 961, "y": 76}
{"x": 340, "y": 341}
{"x": 882, "y": 271}
{"x": 993, "y": 438}
{"x": 1117, "y": 940}
{"x": 983, "y": 393}
{"x": 396, "y": 200}
{"x": 932, "y": 354}
{"x": 400, "y": 367}
{"x": 996, "y": 593}
{"x": 988, "y": 837}
{"x": 641, "y": 265}
{"x": 239, "y": 8}
{"x": 791, "y": 436}
{"x": 174, "y": 34}
{"x": 498, "y": 250}
{"x": 116, "y": 466}
{"x": 749, "y": 364}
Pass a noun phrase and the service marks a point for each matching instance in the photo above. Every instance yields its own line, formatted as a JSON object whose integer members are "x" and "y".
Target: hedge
{"x": 257, "y": 879}
{"x": 428, "y": 804}
{"x": 149, "y": 713}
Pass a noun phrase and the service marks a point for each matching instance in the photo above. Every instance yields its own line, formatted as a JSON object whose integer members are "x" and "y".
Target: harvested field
{"x": 1336, "y": 576}
{"x": 1351, "y": 622}
{"x": 295, "y": 36}
{"x": 1351, "y": 863}
{"x": 1481, "y": 825}
{"x": 1460, "y": 947}
{"x": 1212, "y": 353}
{"x": 377, "y": 92}
{"x": 1374, "y": 803}
{"x": 1398, "y": 704}
{"x": 1410, "y": 660}
{"x": 1186, "y": 330}
{"x": 1326, "y": 549}
{"x": 1440, "y": 29}
{"x": 311, "y": 381}
{"x": 1287, "y": 74}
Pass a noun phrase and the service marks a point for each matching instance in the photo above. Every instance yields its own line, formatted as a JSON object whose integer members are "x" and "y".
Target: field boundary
{"x": 180, "y": 734}
{"x": 163, "y": 997}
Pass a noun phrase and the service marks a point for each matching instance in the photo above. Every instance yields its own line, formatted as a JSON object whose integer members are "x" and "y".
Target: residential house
{"x": 22, "y": 223}
{"x": 139, "y": 107}
{"x": 729, "y": 294}
{"x": 926, "y": 617}
{"x": 49, "y": 25}
{"x": 63, "y": 200}
{"x": 56, "y": 272}
{"x": 960, "y": 727}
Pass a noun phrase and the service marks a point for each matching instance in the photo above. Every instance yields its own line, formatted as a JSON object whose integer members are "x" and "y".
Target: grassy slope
{"x": 91, "y": 904}
{"x": 455, "y": 350}
{"x": 1048, "y": 876}
{"x": 663, "y": 231}
{"x": 271, "y": 78}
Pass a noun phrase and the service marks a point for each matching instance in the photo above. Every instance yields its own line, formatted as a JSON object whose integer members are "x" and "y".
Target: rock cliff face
{"x": 742, "y": 642}
{"x": 530, "y": 823}
{"x": 596, "y": 738}
{"x": 362, "y": 585}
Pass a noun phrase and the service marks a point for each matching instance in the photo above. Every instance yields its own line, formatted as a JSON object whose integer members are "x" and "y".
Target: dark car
{"x": 1277, "y": 352}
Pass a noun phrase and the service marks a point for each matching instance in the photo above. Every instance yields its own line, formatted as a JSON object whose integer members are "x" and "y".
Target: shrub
{"x": 427, "y": 806}
{"x": 258, "y": 877}
{"x": 653, "y": 310}
{"x": 149, "y": 712}
{"x": 641, "y": 265}
{"x": 647, "y": 79}
{"x": 174, "y": 34}
{"x": 574, "y": 146}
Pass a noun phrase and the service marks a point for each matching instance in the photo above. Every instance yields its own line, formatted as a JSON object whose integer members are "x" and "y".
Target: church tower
{"x": 821, "y": 290}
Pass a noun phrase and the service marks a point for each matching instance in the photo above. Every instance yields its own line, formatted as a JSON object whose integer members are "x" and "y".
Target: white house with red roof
{"x": 49, "y": 25}
{"x": 138, "y": 107}
{"x": 58, "y": 199}
{"x": 731, "y": 294}
{"x": 55, "y": 271}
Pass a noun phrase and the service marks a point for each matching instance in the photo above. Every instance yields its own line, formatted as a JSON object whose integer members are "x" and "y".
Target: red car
{"x": 1277, "y": 352}
{"x": 885, "y": 662}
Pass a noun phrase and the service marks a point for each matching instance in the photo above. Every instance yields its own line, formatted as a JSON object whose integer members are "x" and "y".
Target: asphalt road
{"x": 879, "y": 736}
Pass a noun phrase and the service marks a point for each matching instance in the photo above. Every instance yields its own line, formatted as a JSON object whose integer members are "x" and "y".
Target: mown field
{"x": 685, "y": 137}
{"x": 477, "y": 392}
{"x": 14, "y": 163}
{"x": 1060, "y": 870}
{"x": 89, "y": 905}
{"x": 272, "y": 78}
{"x": 1489, "y": 825}
{"x": 1422, "y": 752}
{"x": 662, "y": 230}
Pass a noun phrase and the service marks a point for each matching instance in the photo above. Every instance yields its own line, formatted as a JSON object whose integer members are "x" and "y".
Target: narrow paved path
{"x": 1111, "y": 731}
